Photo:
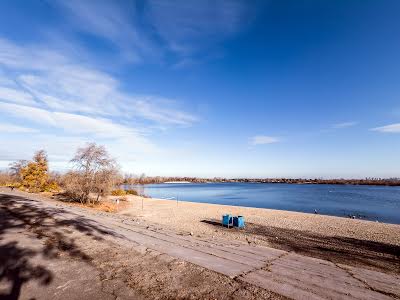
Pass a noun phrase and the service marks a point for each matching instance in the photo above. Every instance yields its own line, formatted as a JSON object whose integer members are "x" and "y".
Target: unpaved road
{"x": 50, "y": 250}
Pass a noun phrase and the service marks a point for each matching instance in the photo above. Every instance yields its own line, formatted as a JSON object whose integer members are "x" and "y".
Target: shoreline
{"x": 173, "y": 199}
{"x": 318, "y": 223}
{"x": 370, "y": 203}
{"x": 360, "y": 243}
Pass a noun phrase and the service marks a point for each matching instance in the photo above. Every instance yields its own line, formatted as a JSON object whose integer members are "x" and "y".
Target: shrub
{"x": 121, "y": 192}
{"x": 132, "y": 192}
{"x": 34, "y": 174}
{"x": 52, "y": 187}
{"x": 118, "y": 192}
{"x": 5, "y": 178}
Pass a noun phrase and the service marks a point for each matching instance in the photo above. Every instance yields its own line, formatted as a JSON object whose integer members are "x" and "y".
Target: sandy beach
{"x": 343, "y": 240}
{"x": 193, "y": 217}
{"x": 173, "y": 250}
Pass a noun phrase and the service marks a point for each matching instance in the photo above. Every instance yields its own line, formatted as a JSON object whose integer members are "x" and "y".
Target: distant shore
{"x": 170, "y": 180}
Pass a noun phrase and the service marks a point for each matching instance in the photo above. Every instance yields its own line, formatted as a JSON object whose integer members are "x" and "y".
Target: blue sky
{"x": 205, "y": 88}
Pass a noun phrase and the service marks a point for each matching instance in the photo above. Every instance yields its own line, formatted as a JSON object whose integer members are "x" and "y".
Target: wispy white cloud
{"x": 73, "y": 127}
{"x": 186, "y": 25}
{"x": 263, "y": 140}
{"x": 4, "y": 81}
{"x": 61, "y": 101}
{"x": 26, "y": 113}
{"x": 108, "y": 20}
{"x": 392, "y": 128}
{"x": 59, "y": 147}
{"x": 344, "y": 125}
{"x": 16, "y": 96}
{"x": 70, "y": 123}
{"x": 151, "y": 30}
{"x": 53, "y": 81}
{"x": 29, "y": 57}
{"x": 11, "y": 128}
{"x": 161, "y": 110}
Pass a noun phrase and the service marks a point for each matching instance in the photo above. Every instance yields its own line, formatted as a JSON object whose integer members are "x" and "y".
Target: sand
{"x": 347, "y": 241}
{"x": 360, "y": 243}
{"x": 196, "y": 218}
{"x": 50, "y": 253}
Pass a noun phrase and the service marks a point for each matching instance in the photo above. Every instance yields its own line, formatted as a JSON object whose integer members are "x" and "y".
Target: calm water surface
{"x": 367, "y": 202}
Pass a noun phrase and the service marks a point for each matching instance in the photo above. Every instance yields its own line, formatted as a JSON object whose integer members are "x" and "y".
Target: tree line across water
{"x": 95, "y": 174}
{"x": 132, "y": 179}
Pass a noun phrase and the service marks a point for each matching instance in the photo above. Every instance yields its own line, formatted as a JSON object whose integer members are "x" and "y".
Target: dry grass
{"x": 106, "y": 206}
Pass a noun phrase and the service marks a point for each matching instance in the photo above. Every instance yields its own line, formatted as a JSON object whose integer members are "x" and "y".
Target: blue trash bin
{"x": 227, "y": 220}
{"x": 238, "y": 221}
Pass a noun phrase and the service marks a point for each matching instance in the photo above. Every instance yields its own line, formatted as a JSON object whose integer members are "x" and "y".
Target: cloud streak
{"x": 111, "y": 22}
{"x": 17, "y": 96}
{"x": 392, "y": 128}
{"x": 263, "y": 140}
{"x": 150, "y": 30}
{"x": 69, "y": 123}
{"x": 187, "y": 25}
{"x": 48, "y": 93}
{"x": 10, "y": 128}
{"x": 53, "y": 81}
{"x": 344, "y": 125}
{"x": 75, "y": 127}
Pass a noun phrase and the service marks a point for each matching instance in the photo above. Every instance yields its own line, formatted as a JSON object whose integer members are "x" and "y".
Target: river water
{"x": 376, "y": 203}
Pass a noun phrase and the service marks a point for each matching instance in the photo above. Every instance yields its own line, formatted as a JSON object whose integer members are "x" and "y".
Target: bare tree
{"x": 94, "y": 171}
{"x": 5, "y": 178}
{"x": 40, "y": 158}
{"x": 16, "y": 168}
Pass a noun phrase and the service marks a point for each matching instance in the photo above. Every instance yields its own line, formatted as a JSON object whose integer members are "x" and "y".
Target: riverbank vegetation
{"x": 121, "y": 192}
{"x": 32, "y": 176}
{"x": 94, "y": 174}
{"x": 131, "y": 179}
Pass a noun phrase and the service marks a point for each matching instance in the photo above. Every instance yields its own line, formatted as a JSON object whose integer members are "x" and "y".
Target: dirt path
{"x": 52, "y": 251}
